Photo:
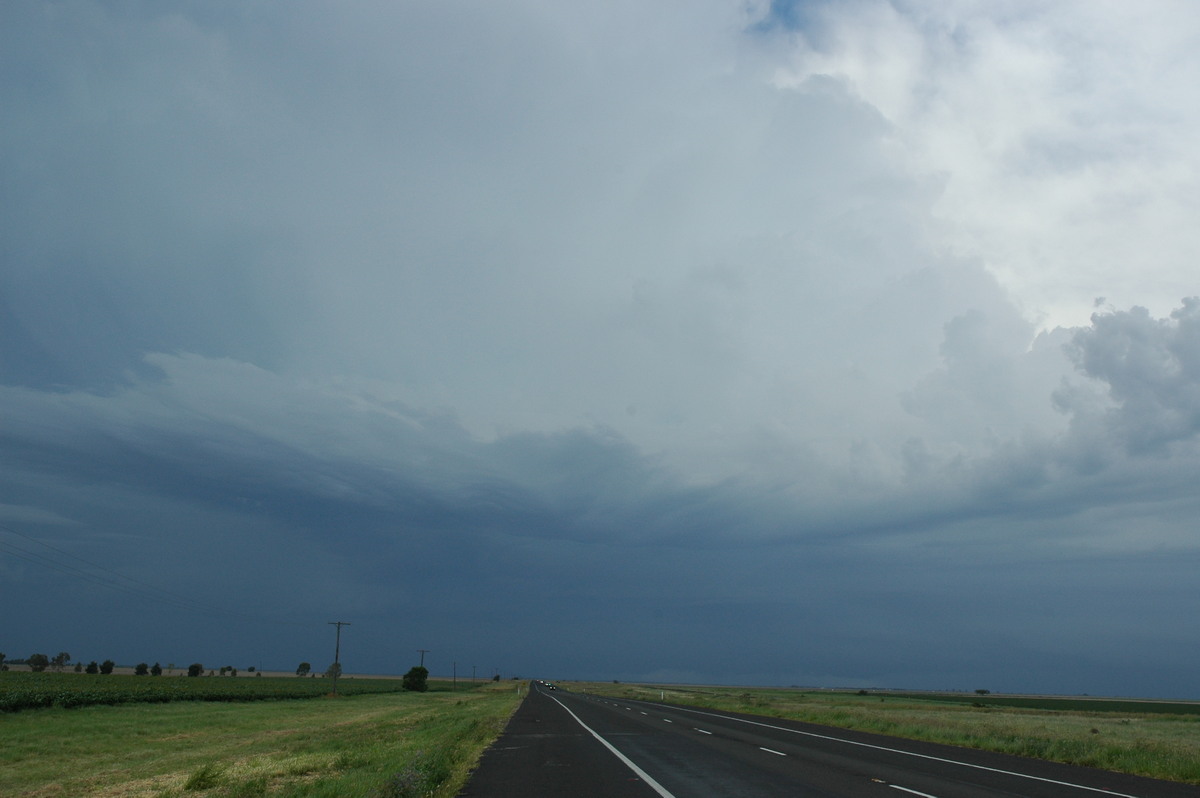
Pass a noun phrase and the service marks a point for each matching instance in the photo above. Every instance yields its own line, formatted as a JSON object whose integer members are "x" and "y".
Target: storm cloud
{"x": 831, "y": 343}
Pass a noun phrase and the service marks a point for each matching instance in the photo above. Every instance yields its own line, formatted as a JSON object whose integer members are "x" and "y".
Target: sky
{"x": 843, "y": 343}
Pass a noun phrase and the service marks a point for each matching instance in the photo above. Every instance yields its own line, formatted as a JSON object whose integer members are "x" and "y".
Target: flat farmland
{"x": 379, "y": 744}
{"x": 24, "y": 690}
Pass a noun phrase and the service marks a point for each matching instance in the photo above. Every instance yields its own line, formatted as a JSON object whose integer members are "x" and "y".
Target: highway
{"x": 567, "y": 744}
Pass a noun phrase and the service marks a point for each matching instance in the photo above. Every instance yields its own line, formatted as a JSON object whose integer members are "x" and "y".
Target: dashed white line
{"x": 908, "y": 753}
{"x": 911, "y": 792}
{"x": 702, "y": 731}
{"x": 772, "y": 751}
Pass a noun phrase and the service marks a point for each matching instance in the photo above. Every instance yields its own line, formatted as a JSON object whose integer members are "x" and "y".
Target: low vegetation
{"x": 1154, "y": 739}
{"x": 23, "y": 690}
{"x": 392, "y": 745}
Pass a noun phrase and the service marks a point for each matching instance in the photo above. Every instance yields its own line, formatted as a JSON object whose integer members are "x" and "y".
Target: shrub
{"x": 417, "y": 679}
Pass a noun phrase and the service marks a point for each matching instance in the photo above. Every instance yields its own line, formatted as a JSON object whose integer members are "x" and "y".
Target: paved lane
{"x": 544, "y": 752}
{"x": 675, "y": 751}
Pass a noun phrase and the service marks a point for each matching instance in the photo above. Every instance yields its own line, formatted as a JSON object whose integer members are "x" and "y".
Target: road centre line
{"x": 643, "y": 775}
{"x": 900, "y": 751}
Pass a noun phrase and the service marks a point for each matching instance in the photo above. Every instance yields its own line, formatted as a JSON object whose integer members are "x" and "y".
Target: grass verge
{"x": 378, "y": 746}
{"x": 1148, "y": 742}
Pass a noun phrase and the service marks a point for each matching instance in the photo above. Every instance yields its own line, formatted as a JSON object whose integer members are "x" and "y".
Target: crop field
{"x": 1156, "y": 739}
{"x": 370, "y": 744}
{"x": 23, "y": 690}
{"x": 1066, "y": 703}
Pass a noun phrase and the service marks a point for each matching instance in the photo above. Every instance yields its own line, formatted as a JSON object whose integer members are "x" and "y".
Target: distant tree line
{"x": 39, "y": 663}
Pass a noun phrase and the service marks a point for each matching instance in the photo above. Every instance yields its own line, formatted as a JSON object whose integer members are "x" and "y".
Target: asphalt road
{"x": 566, "y": 744}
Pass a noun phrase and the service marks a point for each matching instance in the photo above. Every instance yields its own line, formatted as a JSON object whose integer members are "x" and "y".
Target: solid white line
{"x": 643, "y": 775}
{"x": 913, "y": 792}
{"x": 900, "y": 751}
{"x": 771, "y": 751}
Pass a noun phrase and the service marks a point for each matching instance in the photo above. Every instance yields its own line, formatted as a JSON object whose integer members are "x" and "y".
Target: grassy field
{"x": 392, "y": 745}
{"x": 1125, "y": 736}
{"x": 22, "y": 690}
{"x": 396, "y": 745}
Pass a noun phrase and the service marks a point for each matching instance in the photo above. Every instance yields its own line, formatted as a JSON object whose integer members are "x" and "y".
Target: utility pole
{"x": 454, "y": 677}
{"x": 472, "y": 674}
{"x": 423, "y": 651}
{"x": 337, "y": 651}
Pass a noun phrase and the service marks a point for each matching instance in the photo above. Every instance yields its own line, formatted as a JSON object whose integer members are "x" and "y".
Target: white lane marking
{"x": 643, "y": 775}
{"x": 772, "y": 751}
{"x": 911, "y": 792}
{"x": 906, "y": 753}
{"x": 668, "y": 720}
{"x": 702, "y": 731}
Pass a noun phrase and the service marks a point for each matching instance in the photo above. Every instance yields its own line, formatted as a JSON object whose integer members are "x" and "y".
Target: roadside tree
{"x": 195, "y": 669}
{"x": 156, "y": 669}
{"x": 60, "y": 660}
{"x": 303, "y": 668}
{"x": 107, "y": 666}
{"x": 142, "y": 669}
{"x": 37, "y": 662}
{"x": 92, "y": 667}
{"x": 417, "y": 679}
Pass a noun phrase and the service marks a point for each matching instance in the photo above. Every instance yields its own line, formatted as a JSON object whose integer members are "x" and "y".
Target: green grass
{"x": 22, "y": 690}
{"x": 375, "y": 745}
{"x": 1158, "y": 741}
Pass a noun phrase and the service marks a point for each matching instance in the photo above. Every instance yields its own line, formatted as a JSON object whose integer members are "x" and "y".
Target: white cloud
{"x": 1065, "y": 134}
{"x": 1150, "y": 370}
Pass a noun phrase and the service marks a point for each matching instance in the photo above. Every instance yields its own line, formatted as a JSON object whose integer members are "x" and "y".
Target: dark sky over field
{"x": 828, "y": 343}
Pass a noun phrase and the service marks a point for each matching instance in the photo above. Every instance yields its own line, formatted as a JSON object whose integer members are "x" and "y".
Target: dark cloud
{"x": 515, "y": 335}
